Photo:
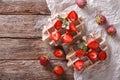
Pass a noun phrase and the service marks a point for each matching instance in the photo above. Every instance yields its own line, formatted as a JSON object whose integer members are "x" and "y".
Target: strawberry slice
{"x": 93, "y": 45}
{"x": 72, "y": 27}
{"x": 58, "y": 53}
{"x": 67, "y": 38}
{"x": 92, "y": 55}
{"x": 58, "y": 70}
{"x": 102, "y": 55}
{"x": 55, "y": 36}
{"x": 72, "y": 16}
{"x": 78, "y": 65}
{"x": 58, "y": 24}
{"x": 79, "y": 53}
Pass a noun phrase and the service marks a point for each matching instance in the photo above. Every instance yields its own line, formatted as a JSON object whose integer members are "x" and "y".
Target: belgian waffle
{"x": 50, "y": 28}
{"x": 87, "y": 62}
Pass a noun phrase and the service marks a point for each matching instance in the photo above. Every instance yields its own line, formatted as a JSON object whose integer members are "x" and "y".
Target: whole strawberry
{"x": 58, "y": 70}
{"x": 111, "y": 30}
{"x": 81, "y": 3}
{"x": 44, "y": 60}
{"x": 100, "y": 19}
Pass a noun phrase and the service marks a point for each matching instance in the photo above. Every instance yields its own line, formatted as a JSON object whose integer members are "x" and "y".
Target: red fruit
{"x": 58, "y": 70}
{"x": 55, "y": 36}
{"x": 58, "y": 24}
{"x": 72, "y": 27}
{"x": 67, "y": 38}
{"x": 100, "y": 19}
{"x": 111, "y": 30}
{"x": 93, "y": 45}
{"x": 44, "y": 60}
{"x": 58, "y": 53}
{"x": 72, "y": 16}
{"x": 92, "y": 55}
{"x": 81, "y": 3}
{"x": 78, "y": 65}
{"x": 79, "y": 53}
{"x": 102, "y": 55}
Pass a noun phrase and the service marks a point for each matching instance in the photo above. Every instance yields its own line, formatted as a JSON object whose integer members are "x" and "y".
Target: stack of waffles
{"x": 88, "y": 63}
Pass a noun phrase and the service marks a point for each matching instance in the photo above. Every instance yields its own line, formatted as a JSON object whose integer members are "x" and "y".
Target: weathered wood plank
{"x": 23, "y": 7}
{"x": 32, "y": 70}
{"x": 21, "y": 25}
{"x": 21, "y": 49}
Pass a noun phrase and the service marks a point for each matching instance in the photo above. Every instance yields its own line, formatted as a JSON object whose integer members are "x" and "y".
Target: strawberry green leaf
{"x": 65, "y": 22}
{"x": 83, "y": 47}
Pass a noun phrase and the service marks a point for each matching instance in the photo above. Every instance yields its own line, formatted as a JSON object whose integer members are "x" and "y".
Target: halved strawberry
{"x": 55, "y": 36}
{"x": 102, "y": 55}
{"x": 78, "y": 65}
{"x": 58, "y": 53}
{"x": 72, "y": 27}
{"x": 67, "y": 38}
{"x": 58, "y": 24}
{"x": 58, "y": 70}
{"x": 79, "y": 53}
{"x": 92, "y": 55}
{"x": 72, "y": 16}
{"x": 93, "y": 45}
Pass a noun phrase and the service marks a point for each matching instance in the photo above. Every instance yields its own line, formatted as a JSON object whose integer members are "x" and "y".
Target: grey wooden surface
{"x": 21, "y": 44}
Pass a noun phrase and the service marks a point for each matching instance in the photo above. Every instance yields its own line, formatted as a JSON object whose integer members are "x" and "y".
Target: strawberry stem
{"x": 64, "y": 20}
{"x": 83, "y": 47}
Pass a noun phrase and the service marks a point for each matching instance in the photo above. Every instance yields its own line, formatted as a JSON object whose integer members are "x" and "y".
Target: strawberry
{"x": 100, "y": 19}
{"x": 79, "y": 53}
{"x": 55, "y": 36}
{"x": 72, "y": 27}
{"x": 92, "y": 55}
{"x": 72, "y": 16}
{"x": 58, "y": 70}
{"x": 58, "y": 53}
{"x": 93, "y": 45}
{"x": 102, "y": 55}
{"x": 58, "y": 24}
{"x": 111, "y": 30}
{"x": 81, "y": 3}
{"x": 44, "y": 60}
{"x": 67, "y": 38}
{"x": 78, "y": 65}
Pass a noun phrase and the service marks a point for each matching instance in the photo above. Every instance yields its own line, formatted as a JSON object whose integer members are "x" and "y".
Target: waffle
{"x": 87, "y": 62}
{"x": 49, "y": 29}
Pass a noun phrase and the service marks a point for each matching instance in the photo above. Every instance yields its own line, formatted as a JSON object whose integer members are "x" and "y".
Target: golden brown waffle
{"x": 87, "y": 62}
{"x": 79, "y": 26}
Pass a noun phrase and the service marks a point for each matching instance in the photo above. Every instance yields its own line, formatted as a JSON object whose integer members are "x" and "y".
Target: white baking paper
{"x": 109, "y": 69}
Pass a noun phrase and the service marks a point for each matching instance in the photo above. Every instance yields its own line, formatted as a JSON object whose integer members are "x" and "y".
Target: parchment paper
{"x": 109, "y": 69}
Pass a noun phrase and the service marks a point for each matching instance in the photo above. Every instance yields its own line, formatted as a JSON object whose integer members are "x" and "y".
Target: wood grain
{"x": 23, "y": 7}
{"x": 32, "y": 70}
{"x": 22, "y": 49}
{"x": 21, "y": 25}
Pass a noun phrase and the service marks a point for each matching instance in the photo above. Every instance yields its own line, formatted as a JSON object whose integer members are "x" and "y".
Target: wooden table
{"x": 21, "y": 44}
